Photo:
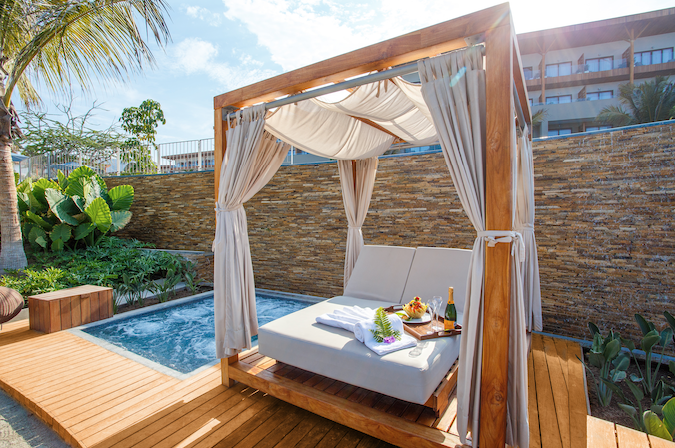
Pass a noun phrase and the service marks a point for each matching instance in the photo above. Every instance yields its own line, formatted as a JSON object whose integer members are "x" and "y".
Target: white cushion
{"x": 297, "y": 339}
{"x": 380, "y": 273}
{"x": 433, "y": 270}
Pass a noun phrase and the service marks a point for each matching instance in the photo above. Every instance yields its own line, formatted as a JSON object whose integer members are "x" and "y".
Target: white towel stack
{"x": 360, "y": 321}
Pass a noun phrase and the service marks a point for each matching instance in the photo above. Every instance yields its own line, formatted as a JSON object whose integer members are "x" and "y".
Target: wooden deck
{"x": 96, "y": 398}
{"x": 558, "y": 403}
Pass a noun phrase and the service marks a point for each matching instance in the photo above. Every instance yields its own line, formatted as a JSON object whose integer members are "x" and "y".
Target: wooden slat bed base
{"x": 386, "y": 418}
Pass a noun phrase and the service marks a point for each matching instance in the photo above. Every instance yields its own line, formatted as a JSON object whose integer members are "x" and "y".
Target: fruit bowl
{"x": 415, "y": 308}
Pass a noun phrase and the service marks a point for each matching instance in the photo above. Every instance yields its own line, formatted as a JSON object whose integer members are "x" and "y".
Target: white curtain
{"x": 525, "y": 225}
{"x": 453, "y": 87}
{"x": 251, "y": 158}
{"x": 357, "y": 183}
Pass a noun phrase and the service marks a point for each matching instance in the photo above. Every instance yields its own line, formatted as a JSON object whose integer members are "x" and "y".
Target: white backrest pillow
{"x": 380, "y": 273}
{"x": 434, "y": 269}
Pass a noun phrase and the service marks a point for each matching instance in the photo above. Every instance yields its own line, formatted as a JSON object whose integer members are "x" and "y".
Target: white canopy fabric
{"x": 387, "y": 105}
{"x": 357, "y": 189}
{"x": 525, "y": 225}
{"x": 334, "y": 130}
{"x": 251, "y": 159}
{"x": 453, "y": 86}
{"x": 325, "y": 133}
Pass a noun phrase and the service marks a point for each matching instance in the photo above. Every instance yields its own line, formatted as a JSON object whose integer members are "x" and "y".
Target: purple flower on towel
{"x": 390, "y": 339}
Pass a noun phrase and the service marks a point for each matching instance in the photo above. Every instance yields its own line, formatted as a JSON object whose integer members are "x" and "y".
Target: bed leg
{"x": 225, "y": 369}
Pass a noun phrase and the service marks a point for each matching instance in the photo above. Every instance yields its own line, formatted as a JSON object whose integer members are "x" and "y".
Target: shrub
{"x": 77, "y": 208}
{"x": 101, "y": 265}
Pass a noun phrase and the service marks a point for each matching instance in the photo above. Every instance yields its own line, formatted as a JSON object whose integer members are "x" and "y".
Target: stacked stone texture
{"x": 604, "y": 223}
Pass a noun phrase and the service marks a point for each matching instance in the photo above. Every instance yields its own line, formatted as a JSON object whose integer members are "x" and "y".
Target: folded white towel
{"x": 362, "y": 332}
{"x": 360, "y": 321}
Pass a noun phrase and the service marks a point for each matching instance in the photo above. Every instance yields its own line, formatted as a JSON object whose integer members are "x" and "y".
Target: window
{"x": 654, "y": 57}
{"x": 559, "y": 99}
{"x": 597, "y": 128}
{"x": 553, "y": 132}
{"x": 600, "y": 64}
{"x": 562, "y": 69}
{"x": 604, "y": 95}
{"x": 527, "y": 72}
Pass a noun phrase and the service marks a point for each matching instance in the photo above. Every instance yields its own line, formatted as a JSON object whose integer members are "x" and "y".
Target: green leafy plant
{"x": 190, "y": 277}
{"x": 605, "y": 354}
{"x": 77, "y": 208}
{"x": 630, "y": 407}
{"x": 383, "y": 328}
{"x": 166, "y": 286}
{"x": 665, "y": 428}
{"x": 36, "y": 281}
{"x": 651, "y": 384}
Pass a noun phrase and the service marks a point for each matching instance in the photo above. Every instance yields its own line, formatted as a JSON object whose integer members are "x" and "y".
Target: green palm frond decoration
{"x": 384, "y": 331}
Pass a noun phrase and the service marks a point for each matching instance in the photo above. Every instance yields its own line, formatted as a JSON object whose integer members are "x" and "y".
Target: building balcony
{"x": 580, "y": 77}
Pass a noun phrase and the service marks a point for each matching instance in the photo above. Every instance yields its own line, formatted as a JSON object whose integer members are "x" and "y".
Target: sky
{"x": 221, "y": 45}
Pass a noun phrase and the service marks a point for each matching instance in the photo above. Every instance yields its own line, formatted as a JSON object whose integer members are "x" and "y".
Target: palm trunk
{"x": 12, "y": 255}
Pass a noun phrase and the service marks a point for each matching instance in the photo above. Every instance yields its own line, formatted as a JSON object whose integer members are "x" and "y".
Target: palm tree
{"x": 57, "y": 43}
{"x": 648, "y": 102}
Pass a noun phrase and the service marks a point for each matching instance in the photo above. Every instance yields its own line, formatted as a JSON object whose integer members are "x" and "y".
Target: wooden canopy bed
{"x": 504, "y": 85}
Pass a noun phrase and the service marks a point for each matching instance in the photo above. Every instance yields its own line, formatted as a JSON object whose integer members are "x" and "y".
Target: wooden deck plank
{"x": 175, "y": 414}
{"x": 266, "y": 437}
{"x": 548, "y": 422}
{"x": 448, "y": 417}
{"x": 300, "y": 432}
{"x": 181, "y": 429}
{"x": 316, "y": 434}
{"x": 601, "y": 433}
{"x": 630, "y": 438}
{"x": 560, "y": 392}
{"x": 256, "y": 428}
{"x": 532, "y": 411}
{"x": 224, "y": 425}
{"x": 561, "y": 349}
{"x": 191, "y": 394}
{"x": 577, "y": 396}
{"x": 657, "y": 442}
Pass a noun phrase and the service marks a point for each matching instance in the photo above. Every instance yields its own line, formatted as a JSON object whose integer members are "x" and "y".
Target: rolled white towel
{"x": 346, "y": 317}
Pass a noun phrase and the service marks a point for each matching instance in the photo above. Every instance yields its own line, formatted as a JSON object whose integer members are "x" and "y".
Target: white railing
{"x": 165, "y": 158}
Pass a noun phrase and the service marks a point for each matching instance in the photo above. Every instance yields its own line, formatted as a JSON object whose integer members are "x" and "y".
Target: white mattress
{"x": 411, "y": 374}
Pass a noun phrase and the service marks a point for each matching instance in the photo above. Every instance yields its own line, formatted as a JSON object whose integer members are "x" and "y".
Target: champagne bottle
{"x": 450, "y": 311}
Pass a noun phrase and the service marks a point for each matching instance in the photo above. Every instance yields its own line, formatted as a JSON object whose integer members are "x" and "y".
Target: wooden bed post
{"x": 499, "y": 96}
{"x": 220, "y": 144}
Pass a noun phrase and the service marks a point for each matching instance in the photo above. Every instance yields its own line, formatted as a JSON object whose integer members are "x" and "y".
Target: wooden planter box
{"x": 68, "y": 308}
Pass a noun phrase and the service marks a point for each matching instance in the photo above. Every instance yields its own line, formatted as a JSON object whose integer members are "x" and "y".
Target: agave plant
{"x": 77, "y": 208}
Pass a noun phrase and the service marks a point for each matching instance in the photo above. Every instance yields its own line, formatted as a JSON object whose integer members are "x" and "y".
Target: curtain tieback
{"x": 505, "y": 236}
{"x": 220, "y": 209}
{"x": 354, "y": 227}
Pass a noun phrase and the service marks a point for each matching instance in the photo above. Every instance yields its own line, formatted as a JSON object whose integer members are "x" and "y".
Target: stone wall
{"x": 605, "y": 207}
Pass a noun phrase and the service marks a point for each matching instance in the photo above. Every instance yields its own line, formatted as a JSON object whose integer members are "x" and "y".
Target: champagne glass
{"x": 435, "y": 305}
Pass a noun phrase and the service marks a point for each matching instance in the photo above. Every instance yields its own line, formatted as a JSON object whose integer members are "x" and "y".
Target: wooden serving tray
{"x": 420, "y": 331}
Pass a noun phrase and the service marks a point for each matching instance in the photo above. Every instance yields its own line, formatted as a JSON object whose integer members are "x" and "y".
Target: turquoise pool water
{"x": 182, "y": 337}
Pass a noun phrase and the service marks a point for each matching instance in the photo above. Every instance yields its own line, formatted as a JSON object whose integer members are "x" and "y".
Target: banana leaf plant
{"x": 665, "y": 428}
{"x": 74, "y": 209}
{"x": 605, "y": 354}
{"x": 653, "y": 386}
